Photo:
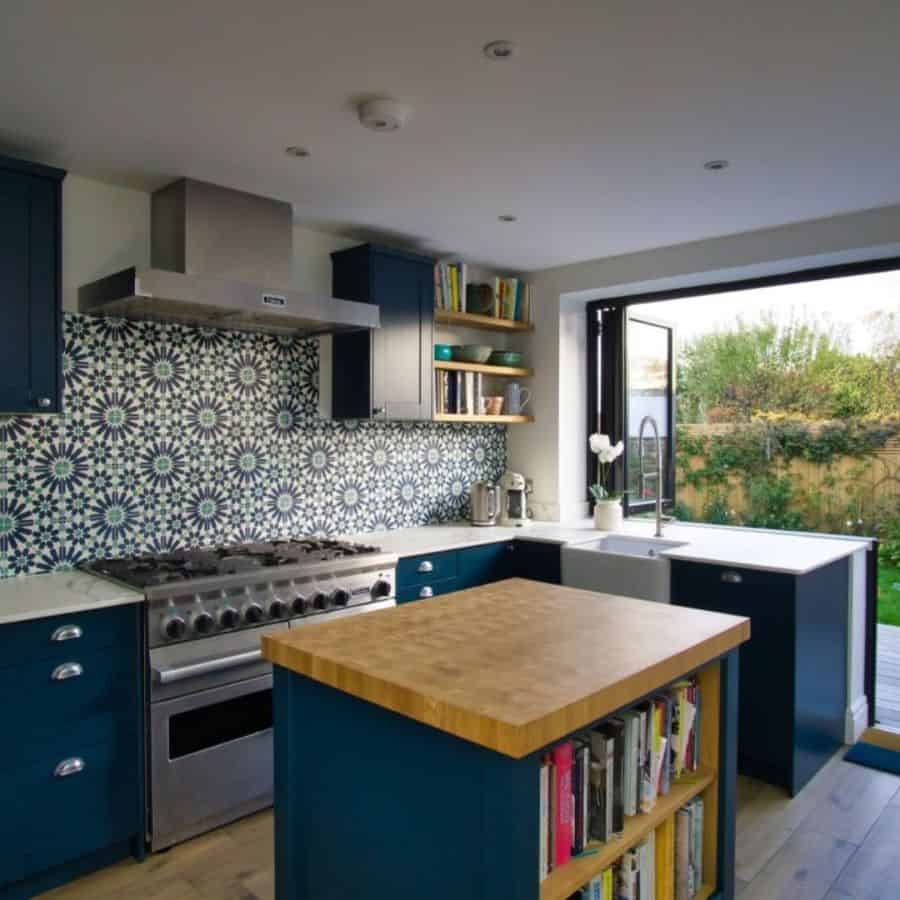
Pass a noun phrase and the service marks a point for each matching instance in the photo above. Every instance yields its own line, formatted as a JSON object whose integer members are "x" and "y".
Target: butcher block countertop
{"x": 511, "y": 666}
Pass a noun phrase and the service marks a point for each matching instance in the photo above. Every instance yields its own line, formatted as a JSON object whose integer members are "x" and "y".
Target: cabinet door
{"x": 767, "y": 660}
{"x": 402, "y": 347}
{"x": 30, "y": 338}
{"x": 482, "y": 565}
{"x": 537, "y": 560}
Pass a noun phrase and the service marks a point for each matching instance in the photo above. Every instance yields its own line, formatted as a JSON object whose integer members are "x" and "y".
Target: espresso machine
{"x": 514, "y": 500}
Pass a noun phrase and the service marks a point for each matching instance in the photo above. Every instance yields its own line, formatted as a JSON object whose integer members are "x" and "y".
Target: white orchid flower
{"x": 599, "y": 442}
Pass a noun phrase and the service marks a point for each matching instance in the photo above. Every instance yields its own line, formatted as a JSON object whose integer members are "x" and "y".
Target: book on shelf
{"x": 512, "y": 300}
{"x": 592, "y": 783}
{"x": 458, "y": 392}
{"x": 689, "y": 850}
{"x": 450, "y": 286}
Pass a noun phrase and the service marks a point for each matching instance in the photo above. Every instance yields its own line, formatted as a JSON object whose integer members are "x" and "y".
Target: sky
{"x": 843, "y": 303}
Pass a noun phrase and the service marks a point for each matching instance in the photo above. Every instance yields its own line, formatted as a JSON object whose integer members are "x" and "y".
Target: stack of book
{"x": 589, "y": 785}
{"x": 633, "y": 877}
{"x": 512, "y": 300}
{"x": 458, "y": 392}
{"x": 450, "y": 286}
{"x": 506, "y": 298}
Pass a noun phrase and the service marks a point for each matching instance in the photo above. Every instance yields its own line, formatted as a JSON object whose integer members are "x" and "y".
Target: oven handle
{"x": 205, "y": 667}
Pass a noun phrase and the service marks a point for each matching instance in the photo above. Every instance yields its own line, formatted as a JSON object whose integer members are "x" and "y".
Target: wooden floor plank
{"x": 853, "y": 804}
{"x": 803, "y": 869}
{"x": 873, "y": 872}
{"x": 776, "y": 859}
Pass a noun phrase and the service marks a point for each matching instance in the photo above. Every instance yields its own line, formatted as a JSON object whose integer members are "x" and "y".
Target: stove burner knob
{"x": 202, "y": 622}
{"x": 253, "y": 613}
{"x": 229, "y": 617}
{"x": 173, "y": 627}
{"x": 320, "y": 600}
{"x": 380, "y": 589}
{"x": 300, "y": 604}
{"x": 277, "y": 609}
{"x": 340, "y": 597}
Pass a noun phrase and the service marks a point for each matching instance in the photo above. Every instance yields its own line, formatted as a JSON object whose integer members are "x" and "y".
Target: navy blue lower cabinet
{"x": 484, "y": 564}
{"x": 71, "y": 784}
{"x": 793, "y": 670}
{"x": 538, "y": 560}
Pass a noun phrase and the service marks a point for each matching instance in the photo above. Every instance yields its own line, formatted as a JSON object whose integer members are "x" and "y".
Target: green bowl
{"x": 505, "y": 358}
{"x": 443, "y": 352}
{"x": 472, "y": 353}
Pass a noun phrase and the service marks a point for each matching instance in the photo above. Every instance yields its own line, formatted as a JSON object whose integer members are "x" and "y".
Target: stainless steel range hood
{"x": 221, "y": 258}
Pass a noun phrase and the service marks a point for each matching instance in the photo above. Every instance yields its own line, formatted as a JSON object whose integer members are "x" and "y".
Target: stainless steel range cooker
{"x": 210, "y": 691}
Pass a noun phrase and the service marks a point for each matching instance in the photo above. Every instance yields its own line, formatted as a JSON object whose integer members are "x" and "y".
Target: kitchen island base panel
{"x": 370, "y": 801}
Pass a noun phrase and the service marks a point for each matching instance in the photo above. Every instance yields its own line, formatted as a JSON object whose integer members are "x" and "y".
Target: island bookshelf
{"x": 429, "y": 784}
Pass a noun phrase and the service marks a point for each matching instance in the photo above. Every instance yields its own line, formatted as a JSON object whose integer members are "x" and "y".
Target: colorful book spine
{"x": 544, "y": 820}
{"x": 562, "y": 761}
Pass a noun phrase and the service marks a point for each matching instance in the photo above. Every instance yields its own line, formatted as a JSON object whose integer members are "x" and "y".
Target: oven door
{"x": 210, "y": 758}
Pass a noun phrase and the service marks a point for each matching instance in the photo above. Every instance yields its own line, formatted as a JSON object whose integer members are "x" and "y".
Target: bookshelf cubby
{"x": 561, "y": 883}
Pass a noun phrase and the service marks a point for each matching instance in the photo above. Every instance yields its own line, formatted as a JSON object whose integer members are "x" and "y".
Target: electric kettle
{"x": 485, "y": 498}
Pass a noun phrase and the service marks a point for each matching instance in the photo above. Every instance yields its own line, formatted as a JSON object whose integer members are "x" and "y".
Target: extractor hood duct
{"x": 221, "y": 258}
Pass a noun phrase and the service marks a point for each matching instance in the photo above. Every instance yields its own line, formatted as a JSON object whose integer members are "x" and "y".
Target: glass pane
{"x": 218, "y": 723}
{"x": 649, "y": 391}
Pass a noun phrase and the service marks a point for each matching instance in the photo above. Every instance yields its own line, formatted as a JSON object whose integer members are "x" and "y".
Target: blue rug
{"x": 873, "y": 757}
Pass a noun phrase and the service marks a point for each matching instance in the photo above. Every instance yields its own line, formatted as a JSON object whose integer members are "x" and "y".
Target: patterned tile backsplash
{"x": 175, "y": 437}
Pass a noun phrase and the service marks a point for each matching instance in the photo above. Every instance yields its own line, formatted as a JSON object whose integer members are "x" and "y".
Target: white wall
{"x": 104, "y": 228}
{"x": 552, "y": 451}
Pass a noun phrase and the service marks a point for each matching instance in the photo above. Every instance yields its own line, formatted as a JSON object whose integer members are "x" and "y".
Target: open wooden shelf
{"x": 471, "y": 320}
{"x": 563, "y": 882}
{"x": 484, "y": 420}
{"x": 503, "y": 371}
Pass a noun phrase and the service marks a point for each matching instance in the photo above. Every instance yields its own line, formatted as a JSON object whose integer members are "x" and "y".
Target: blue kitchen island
{"x": 408, "y": 743}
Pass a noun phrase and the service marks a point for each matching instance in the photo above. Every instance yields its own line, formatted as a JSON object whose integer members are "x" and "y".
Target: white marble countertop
{"x": 456, "y": 535}
{"x": 38, "y": 596}
{"x": 752, "y": 548}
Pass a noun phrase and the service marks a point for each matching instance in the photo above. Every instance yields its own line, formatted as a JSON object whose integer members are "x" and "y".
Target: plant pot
{"x": 608, "y": 515}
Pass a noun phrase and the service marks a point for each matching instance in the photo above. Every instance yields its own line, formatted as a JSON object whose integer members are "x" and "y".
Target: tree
{"x": 799, "y": 368}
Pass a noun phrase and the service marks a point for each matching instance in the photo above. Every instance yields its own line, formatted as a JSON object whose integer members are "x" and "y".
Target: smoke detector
{"x": 383, "y": 114}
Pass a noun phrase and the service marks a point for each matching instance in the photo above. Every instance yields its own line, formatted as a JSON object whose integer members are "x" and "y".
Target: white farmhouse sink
{"x": 620, "y": 564}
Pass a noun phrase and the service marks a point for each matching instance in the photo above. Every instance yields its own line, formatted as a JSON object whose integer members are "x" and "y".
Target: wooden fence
{"x": 867, "y": 485}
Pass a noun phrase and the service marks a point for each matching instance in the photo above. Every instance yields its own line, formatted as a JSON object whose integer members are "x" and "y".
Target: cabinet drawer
{"x": 49, "y": 693}
{"x": 60, "y": 637}
{"x": 413, "y": 570}
{"x": 50, "y": 818}
{"x": 431, "y": 589}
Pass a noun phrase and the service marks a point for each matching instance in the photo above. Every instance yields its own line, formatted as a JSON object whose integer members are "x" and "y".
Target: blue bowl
{"x": 443, "y": 352}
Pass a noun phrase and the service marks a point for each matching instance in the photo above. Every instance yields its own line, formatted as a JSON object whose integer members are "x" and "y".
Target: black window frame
{"x": 610, "y": 372}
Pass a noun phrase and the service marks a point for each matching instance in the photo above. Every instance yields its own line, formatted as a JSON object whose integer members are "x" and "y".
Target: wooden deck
{"x": 887, "y": 673}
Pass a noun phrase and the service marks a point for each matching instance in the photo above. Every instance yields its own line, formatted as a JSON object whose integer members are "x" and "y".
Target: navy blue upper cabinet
{"x": 386, "y": 373}
{"x": 31, "y": 337}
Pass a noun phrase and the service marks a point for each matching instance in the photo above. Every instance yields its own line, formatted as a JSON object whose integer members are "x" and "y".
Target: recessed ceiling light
{"x": 499, "y": 51}
{"x": 716, "y": 165}
{"x": 298, "y": 152}
{"x": 507, "y": 217}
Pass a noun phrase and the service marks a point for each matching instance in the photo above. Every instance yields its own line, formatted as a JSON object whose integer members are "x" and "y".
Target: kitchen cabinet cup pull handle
{"x": 732, "y": 577}
{"x": 426, "y": 566}
{"x": 44, "y": 402}
{"x": 71, "y": 766}
{"x": 426, "y": 592}
{"x": 67, "y": 670}
{"x": 66, "y": 633}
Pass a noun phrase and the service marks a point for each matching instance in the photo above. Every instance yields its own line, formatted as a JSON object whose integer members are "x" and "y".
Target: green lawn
{"x": 888, "y": 594}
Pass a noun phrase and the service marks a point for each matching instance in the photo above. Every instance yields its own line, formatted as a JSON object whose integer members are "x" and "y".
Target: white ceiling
{"x": 594, "y": 136}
